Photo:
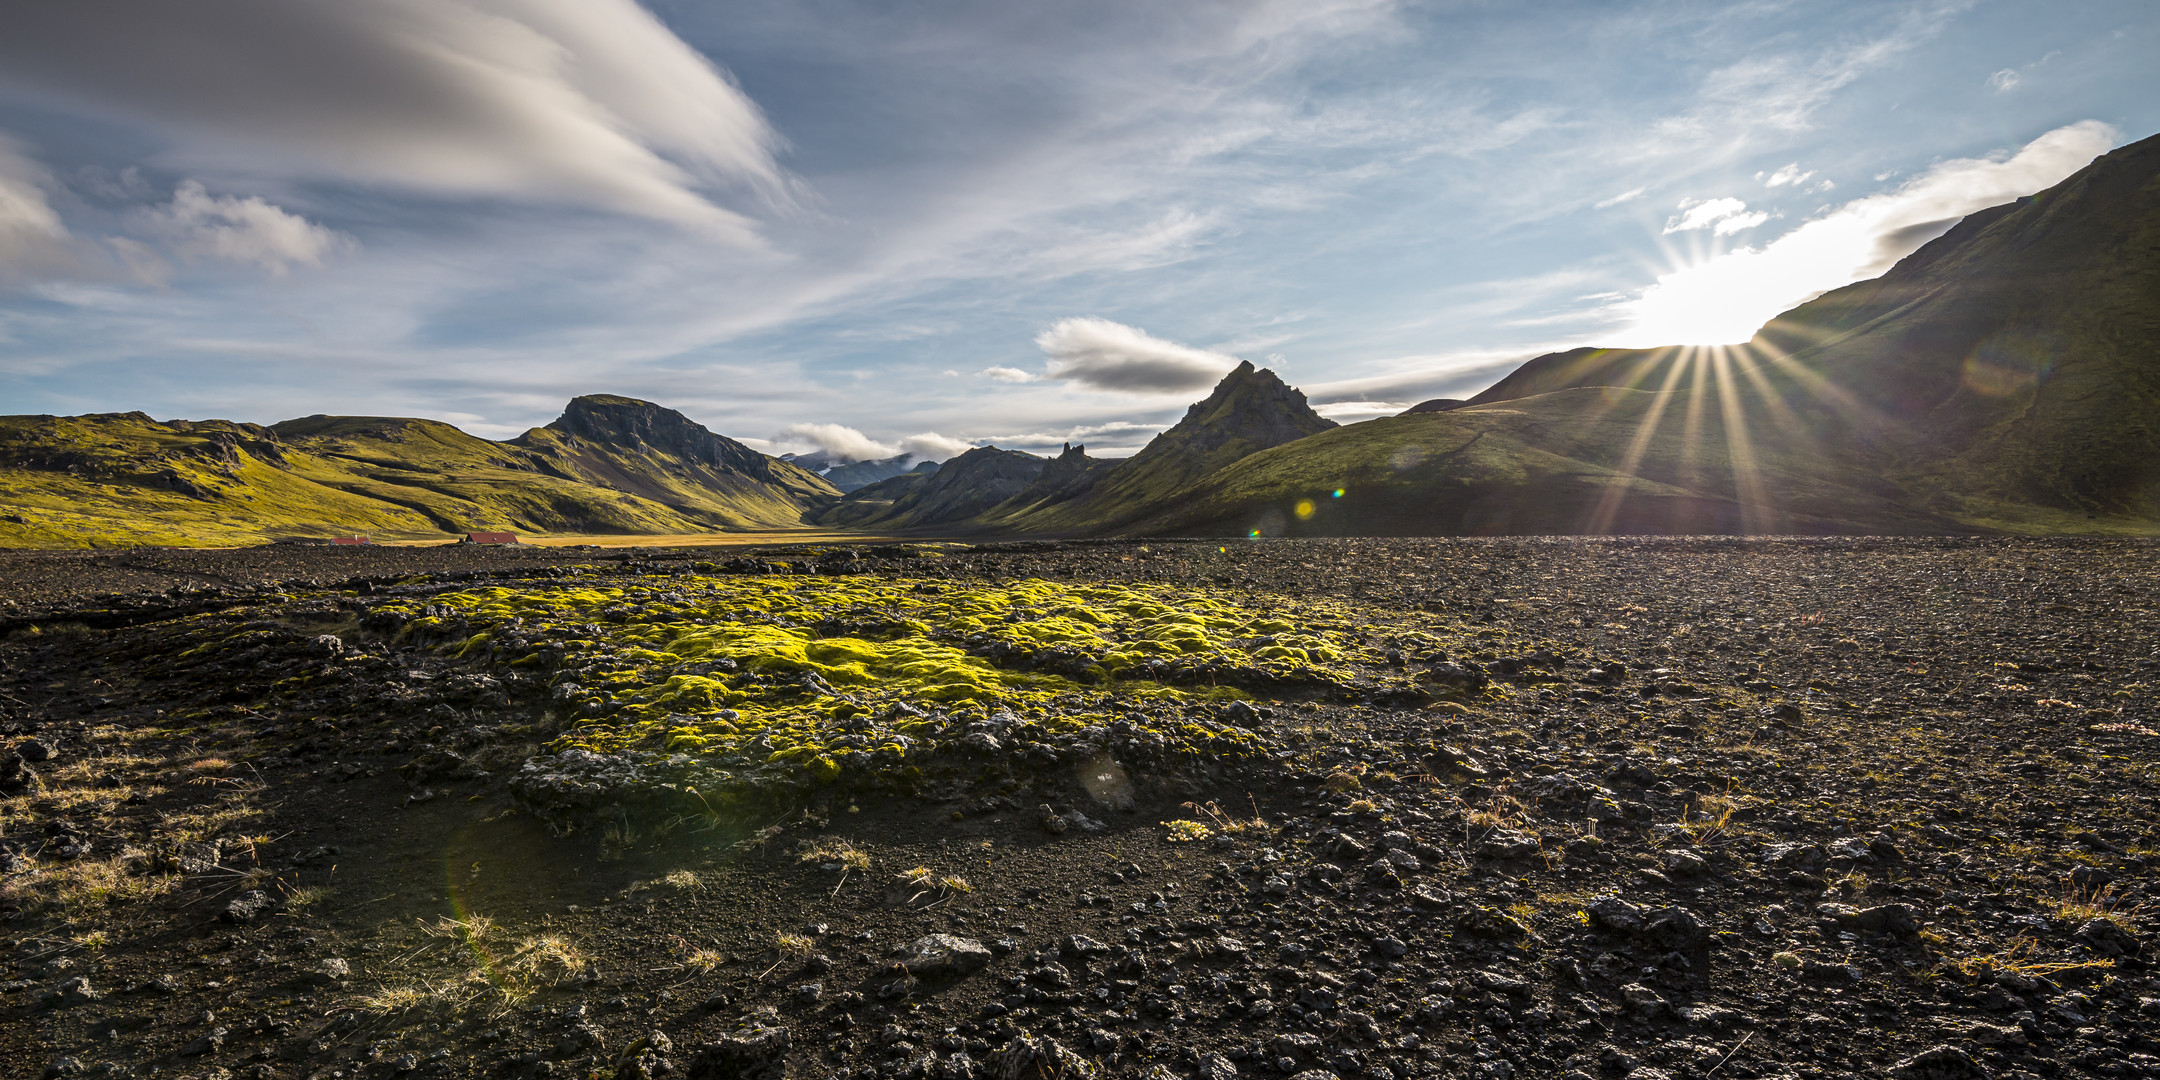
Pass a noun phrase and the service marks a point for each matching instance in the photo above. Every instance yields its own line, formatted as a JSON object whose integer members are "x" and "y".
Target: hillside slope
{"x": 2005, "y": 377}
{"x": 610, "y": 465}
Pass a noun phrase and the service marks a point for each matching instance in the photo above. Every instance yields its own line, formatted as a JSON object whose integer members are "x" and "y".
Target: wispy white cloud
{"x": 1104, "y": 355}
{"x": 1706, "y": 213}
{"x": 1724, "y": 299}
{"x": 197, "y": 224}
{"x": 838, "y": 441}
{"x": 1790, "y": 175}
{"x": 1630, "y": 195}
{"x": 931, "y": 446}
{"x": 586, "y": 102}
{"x": 1000, "y": 373}
{"x": 33, "y": 239}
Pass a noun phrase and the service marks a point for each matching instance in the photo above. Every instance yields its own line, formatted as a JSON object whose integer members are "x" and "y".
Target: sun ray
{"x": 1755, "y": 510}
{"x": 1607, "y": 510}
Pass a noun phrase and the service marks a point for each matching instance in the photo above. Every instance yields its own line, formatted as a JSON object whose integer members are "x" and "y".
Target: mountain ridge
{"x": 614, "y": 465}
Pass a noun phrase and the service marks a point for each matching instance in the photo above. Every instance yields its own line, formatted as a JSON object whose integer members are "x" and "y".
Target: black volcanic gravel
{"x": 1748, "y": 808}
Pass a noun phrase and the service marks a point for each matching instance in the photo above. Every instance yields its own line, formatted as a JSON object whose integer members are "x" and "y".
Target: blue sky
{"x": 876, "y": 227}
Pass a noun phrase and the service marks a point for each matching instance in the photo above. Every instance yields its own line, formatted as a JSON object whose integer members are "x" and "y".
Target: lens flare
{"x": 1337, "y": 494}
{"x": 1304, "y": 509}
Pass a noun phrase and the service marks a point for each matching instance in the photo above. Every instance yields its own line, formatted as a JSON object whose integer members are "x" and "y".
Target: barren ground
{"x": 1638, "y": 808}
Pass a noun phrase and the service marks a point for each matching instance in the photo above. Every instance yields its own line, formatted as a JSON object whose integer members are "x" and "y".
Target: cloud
{"x": 2006, "y": 79}
{"x": 839, "y": 441}
{"x": 1351, "y": 412}
{"x": 1104, "y": 355}
{"x": 1626, "y": 196}
{"x": 931, "y": 446}
{"x": 1724, "y": 299}
{"x": 32, "y": 237}
{"x": 1008, "y": 374}
{"x": 198, "y": 224}
{"x": 1704, "y": 214}
{"x": 1790, "y": 175}
{"x": 591, "y": 103}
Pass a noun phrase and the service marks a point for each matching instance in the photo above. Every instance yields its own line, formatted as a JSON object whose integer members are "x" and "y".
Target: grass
{"x": 2021, "y": 956}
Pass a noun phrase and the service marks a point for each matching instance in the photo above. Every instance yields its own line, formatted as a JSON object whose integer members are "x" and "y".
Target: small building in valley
{"x": 491, "y": 538}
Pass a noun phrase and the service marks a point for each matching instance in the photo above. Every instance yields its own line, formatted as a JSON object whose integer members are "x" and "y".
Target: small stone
{"x": 248, "y": 907}
{"x": 1681, "y": 863}
{"x": 2106, "y": 938}
{"x": 214, "y": 1039}
{"x": 1217, "y": 1067}
{"x": 945, "y": 956}
{"x": 1644, "y": 1001}
{"x": 756, "y": 1052}
{"x": 1082, "y": 945}
{"x": 1939, "y": 1063}
{"x": 1027, "y": 1058}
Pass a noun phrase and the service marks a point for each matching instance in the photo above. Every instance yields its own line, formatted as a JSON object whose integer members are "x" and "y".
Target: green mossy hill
{"x": 1575, "y": 461}
{"x": 127, "y": 480}
{"x": 2004, "y": 377}
{"x": 959, "y": 490}
{"x": 1249, "y": 411}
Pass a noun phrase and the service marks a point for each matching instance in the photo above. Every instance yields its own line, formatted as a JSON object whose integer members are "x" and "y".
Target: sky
{"x": 874, "y": 228}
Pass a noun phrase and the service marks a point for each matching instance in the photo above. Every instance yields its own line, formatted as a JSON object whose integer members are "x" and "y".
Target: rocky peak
{"x": 1252, "y": 406}
{"x": 630, "y": 424}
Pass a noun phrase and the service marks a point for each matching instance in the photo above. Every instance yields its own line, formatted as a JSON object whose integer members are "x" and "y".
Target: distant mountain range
{"x": 608, "y": 465}
{"x": 848, "y": 475}
{"x": 2003, "y": 378}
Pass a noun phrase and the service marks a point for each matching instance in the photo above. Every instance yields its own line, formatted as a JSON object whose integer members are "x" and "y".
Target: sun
{"x": 1719, "y": 301}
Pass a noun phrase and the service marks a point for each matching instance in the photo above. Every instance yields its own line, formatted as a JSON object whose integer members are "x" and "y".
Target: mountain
{"x": 847, "y": 475}
{"x": 608, "y": 465}
{"x": 957, "y": 491}
{"x": 2004, "y": 377}
{"x": 1250, "y": 410}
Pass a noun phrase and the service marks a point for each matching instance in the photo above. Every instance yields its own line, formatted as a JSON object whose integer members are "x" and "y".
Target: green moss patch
{"x": 827, "y": 678}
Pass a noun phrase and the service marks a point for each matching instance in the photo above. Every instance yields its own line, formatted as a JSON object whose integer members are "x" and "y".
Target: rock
{"x": 1216, "y": 1067}
{"x": 1615, "y": 914}
{"x": 1027, "y": 1058}
{"x": 209, "y": 1041}
{"x": 1428, "y": 898}
{"x": 1804, "y": 858}
{"x": 1939, "y": 1063}
{"x": 2106, "y": 938}
{"x": 945, "y": 956}
{"x": 1995, "y": 1035}
{"x": 1675, "y": 928}
{"x": 248, "y": 907}
{"x": 1052, "y": 822}
{"x": 1507, "y": 844}
{"x": 1083, "y": 946}
{"x": 755, "y": 1052}
{"x": 34, "y": 750}
{"x": 1644, "y": 1001}
{"x": 75, "y": 991}
{"x": 1489, "y": 923}
{"x": 1899, "y": 919}
{"x": 1681, "y": 863}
